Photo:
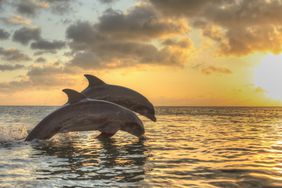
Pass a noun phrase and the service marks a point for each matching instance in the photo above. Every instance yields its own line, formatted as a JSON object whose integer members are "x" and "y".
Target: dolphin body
{"x": 84, "y": 114}
{"x": 98, "y": 89}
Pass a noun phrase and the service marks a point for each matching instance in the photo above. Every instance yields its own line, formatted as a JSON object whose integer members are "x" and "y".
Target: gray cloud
{"x": 4, "y": 34}
{"x": 184, "y": 43}
{"x": 13, "y": 86}
{"x": 87, "y": 60}
{"x": 33, "y": 7}
{"x": 13, "y": 55}
{"x": 46, "y": 45}
{"x": 116, "y": 55}
{"x": 1, "y": 3}
{"x": 120, "y": 39}
{"x": 44, "y": 77}
{"x": 41, "y": 52}
{"x": 83, "y": 32}
{"x": 40, "y": 60}
{"x": 108, "y": 1}
{"x": 100, "y": 52}
{"x": 6, "y": 67}
{"x": 183, "y": 7}
{"x": 141, "y": 22}
{"x": 27, "y": 7}
{"x": 61, "y": 6}
{"x": 238, "y": 26}
{"x": 24, "y": 35}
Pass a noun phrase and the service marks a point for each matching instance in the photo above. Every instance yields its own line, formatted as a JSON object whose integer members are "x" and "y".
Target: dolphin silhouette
{"x": 83, "y": 114}
{"x": 98, "y": 89}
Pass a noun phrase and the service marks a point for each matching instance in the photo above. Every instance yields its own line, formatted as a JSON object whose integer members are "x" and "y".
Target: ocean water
{"x": 188, "y": 147}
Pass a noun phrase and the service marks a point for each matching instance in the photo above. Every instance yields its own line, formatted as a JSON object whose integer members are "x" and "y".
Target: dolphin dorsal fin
{"x": 94, "y": 81}
{"x": 73, "y": 96}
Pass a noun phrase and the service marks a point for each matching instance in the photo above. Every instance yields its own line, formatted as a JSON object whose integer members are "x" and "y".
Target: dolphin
{"x": 98, "y": 89}
{"x": 83, "y": 114}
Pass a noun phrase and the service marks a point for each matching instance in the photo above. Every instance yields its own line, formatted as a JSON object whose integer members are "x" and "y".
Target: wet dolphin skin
{"x": 98, "y": 89}
{"x": 83, "y": 114}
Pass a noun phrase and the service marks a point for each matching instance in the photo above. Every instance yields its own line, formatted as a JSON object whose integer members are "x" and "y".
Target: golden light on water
{"x": 268, "y": 75}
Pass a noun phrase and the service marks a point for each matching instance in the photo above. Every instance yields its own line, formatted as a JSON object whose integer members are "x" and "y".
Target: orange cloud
{"x": 17, "y": 20}
{"x": 213, "y": 69}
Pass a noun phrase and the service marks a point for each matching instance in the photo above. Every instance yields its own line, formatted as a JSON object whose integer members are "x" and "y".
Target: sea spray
{"x": 8, "y": 134}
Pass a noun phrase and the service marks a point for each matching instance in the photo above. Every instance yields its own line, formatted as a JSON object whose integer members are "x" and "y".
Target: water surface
{"x": 187, "y": 147}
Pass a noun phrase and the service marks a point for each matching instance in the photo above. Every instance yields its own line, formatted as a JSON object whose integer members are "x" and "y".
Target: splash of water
{"x": 8, "y": 134}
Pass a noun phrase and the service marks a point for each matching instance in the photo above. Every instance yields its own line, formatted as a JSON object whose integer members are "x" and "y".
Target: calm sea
{"x": 187, "y": 147}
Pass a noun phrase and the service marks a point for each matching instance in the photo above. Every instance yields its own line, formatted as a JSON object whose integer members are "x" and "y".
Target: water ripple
{"x": 187, "y": 147}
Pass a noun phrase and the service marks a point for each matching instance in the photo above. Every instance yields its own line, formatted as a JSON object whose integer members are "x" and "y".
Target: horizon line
{"x": 191, "y": 106}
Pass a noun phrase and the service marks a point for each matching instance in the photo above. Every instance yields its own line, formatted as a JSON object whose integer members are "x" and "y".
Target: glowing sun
{"x": 268, "y": 76}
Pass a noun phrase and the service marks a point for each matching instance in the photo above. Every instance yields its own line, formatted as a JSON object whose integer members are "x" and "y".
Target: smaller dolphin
{"x": 98, "y": 89}
{"x": 83, "y": 114}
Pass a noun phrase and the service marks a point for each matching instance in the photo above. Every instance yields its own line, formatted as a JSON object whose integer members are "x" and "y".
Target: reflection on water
{"x": 187, "y": 147}
{"x": 102, "y": 161}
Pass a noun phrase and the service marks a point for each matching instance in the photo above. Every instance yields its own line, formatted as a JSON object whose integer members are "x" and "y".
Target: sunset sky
{"x": 175, "y": 52}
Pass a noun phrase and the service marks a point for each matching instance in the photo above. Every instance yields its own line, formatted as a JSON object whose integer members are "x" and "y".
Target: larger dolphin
{"x": 83, "y": 114}
{"x": 98, "y": 89}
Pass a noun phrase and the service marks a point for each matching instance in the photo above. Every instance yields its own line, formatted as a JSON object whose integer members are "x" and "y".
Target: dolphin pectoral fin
{"x": 108, "y": 130}
{"x": 104, "y": 135}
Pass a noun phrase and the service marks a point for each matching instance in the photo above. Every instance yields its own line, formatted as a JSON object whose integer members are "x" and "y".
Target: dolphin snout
{"x": 152, "y": 117}
{"x": 142, "y": 137}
